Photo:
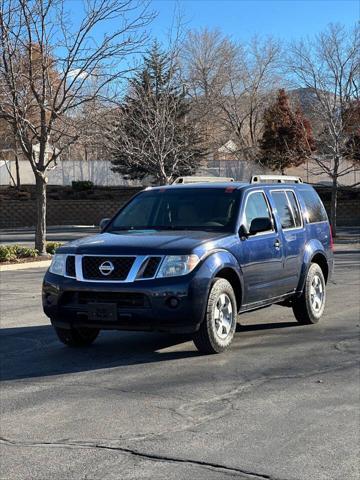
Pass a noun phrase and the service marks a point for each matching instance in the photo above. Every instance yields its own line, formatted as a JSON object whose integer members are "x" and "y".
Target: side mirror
{"x": 260, "y": 224}
{"x": 103, "y": 223}
{"x": 243, "y": 232}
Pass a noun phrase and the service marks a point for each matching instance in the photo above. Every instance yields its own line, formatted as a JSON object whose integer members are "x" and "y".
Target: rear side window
{"x": 256, "y": 206}
{"x": 315, "y": 211}
{"x": 294, "y": 207}
{"x": 284, "y": 210}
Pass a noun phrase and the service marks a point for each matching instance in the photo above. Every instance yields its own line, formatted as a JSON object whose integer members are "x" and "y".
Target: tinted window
{"x": 315, "y": 211}
{"x": 256, "y": 206}
{"x": 283, "y": 209}
{"x": 139, "y": 213}
{"x": 294, "y": 207}
{"x": 179, "y": 208}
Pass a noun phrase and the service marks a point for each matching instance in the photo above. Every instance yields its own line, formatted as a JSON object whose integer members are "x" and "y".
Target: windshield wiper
{"x": 131, "y": 228}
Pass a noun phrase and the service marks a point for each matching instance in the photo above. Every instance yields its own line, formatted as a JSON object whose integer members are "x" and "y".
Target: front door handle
{"x": 277, "y": 243}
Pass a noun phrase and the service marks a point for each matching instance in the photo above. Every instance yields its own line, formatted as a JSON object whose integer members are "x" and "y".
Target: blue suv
{"x": 189, "y": 258}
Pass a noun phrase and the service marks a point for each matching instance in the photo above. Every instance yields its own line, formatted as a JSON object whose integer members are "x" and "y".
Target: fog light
{"x": 173, "y": 302}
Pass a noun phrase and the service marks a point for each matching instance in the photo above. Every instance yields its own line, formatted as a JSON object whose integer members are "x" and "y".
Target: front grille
{"x": 151, "y": 267}
{"x": 122, "y": 299}
{"x": 122, "y": 267}
{"x": 70, "y": 266}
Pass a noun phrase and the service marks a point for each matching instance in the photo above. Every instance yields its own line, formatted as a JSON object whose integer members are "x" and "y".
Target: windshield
{"x": 179, "y": 209}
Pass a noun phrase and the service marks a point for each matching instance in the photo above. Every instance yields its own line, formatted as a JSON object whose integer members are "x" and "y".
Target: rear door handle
{"x": 277, "y": 243}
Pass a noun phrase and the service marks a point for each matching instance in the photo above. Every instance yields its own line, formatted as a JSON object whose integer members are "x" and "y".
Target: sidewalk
{"x": 347, "y": 235}
{"x": 61, "y": 233}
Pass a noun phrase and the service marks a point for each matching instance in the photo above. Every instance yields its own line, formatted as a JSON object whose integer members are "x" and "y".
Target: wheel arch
{"x": 314, "y": 253}
{"x": 321, "y": 260}
{"x": 232, "y": 277}
{"x": 222, "y": 264}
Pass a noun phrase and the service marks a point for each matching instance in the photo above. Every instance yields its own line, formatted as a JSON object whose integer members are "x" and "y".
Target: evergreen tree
{"x": 287, "y": 138}
{"x": 153, "y": 135}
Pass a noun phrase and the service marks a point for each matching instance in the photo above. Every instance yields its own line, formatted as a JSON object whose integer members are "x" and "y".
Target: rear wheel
{"x": 310, "y": 306}
{"x": 217, "y": 330}
{"x": 79, "y": 337}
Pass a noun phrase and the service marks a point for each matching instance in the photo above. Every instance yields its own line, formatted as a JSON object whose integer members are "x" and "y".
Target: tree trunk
{"x": 40, "y": 232}
{"x": 163, "y": 178}
{"x": 17, "y": 168}
{"x": 333, "y": 208}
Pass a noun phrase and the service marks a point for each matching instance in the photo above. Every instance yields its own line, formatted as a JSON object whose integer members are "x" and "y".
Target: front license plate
{"x": 102, "y": 311}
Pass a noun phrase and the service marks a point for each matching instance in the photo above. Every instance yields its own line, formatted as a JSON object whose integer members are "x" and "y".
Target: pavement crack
{"x": 218, "y": 406}
{"x": 148, "y": 456}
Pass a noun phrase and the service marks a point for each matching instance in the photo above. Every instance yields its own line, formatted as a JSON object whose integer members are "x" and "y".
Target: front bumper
{"x": 141, "y": 305}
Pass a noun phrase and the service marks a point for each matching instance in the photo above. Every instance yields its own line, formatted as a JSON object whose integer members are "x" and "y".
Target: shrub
{"x": 7, "y": 253}
{"x": 11, "y": 253}
{"x": 81, "y": 185}
{"x": 52, "y": 246}
{"x": 25, "y": 252}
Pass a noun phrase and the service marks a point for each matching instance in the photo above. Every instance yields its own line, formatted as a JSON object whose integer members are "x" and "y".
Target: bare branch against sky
{"x": 47, "y": 59}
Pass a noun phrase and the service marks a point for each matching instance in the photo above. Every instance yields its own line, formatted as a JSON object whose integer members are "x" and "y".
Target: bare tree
{"x": 46, "y": 62}
{"x": 207, "y": 57}
{"x": 329, "y": 66}
{"x": 251, "y": 84}
{"x": 230, "y": 83}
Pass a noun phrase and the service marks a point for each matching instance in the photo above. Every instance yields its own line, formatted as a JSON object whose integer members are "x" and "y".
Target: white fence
{"x": 100, "y": 173}
{"x": 97, "y": 171}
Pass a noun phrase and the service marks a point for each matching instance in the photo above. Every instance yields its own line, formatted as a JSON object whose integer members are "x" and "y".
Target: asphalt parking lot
{"x": 282, "y": 404}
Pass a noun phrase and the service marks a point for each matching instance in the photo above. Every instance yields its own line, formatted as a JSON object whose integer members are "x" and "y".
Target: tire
{"x": 217, "y": 330}
{"x": 308, "y": 308}
{"x": 81, "y": 337}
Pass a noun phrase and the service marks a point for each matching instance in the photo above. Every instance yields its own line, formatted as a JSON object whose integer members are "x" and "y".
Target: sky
{"x": 241, "y": 19}
{"x": 285, "y": 20}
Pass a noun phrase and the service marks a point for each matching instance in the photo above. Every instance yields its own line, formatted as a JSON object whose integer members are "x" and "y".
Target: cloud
{"x": 78, "y": 73}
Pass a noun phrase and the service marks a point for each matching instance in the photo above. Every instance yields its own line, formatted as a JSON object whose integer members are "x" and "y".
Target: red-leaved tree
{"x": 287, "y": 138}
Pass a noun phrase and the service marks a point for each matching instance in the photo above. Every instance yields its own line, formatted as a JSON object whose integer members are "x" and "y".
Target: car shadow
{"x": 35, "y": 351}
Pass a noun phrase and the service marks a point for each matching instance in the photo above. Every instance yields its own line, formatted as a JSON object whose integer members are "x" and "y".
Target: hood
{"x": 146, "y": 243}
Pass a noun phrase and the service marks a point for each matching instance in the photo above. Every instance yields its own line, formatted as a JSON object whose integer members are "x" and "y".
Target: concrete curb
{"x": 49, "y": 229}
{"x": 25, "y": 265}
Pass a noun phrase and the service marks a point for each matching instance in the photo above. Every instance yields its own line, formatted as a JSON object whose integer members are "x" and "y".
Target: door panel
{"x": 260, "y": 256}
{"x": 293, "y": 234}
{"x": 261, "y": 262}
{"x": 294, "y": 242}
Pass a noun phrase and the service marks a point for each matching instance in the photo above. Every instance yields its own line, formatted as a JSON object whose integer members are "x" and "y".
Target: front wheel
{"x": 79, "y": 337}
{"x": 217, "y": 330}
{"x": 310, "y": 306}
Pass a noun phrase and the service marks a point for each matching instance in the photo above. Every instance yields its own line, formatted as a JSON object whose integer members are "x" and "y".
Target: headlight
{"x": 58, "y": 264}
{"x": 176, "y": 265}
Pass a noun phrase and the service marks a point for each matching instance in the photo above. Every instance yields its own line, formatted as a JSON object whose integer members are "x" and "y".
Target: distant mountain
{"x": 307, "y": 100}
{"x": 305, "y": 97}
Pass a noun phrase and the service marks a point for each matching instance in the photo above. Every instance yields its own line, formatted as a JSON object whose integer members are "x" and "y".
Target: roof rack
{"x": 275, "y": 179}
{"x": 202, "y": 179}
